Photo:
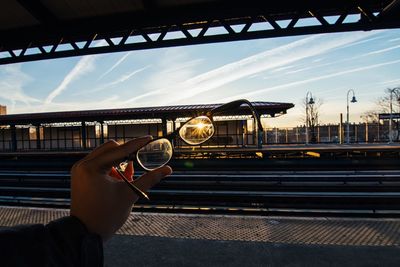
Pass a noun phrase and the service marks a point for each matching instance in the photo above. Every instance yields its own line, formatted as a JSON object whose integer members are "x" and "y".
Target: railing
{"x": 332, "y": 133}
{"x": 73, "y": 138}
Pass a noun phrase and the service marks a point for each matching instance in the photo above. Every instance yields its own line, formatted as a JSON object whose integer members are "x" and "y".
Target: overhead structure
{"x": 271, "y": 109}
{"x": 45, "y": 29}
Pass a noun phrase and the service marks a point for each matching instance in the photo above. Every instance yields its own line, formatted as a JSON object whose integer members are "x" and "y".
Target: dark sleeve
{"x": 63, "y": 242}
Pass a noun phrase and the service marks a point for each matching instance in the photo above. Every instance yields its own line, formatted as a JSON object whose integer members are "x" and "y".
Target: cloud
{"x": 126, "y": 77}
{"x": 106, "y": 103}
{"x": 286, "y": 85}
{"x": 84, "y": 65}
{"x": 391, "y": 82}
{"x": 394, "y": 40}
{"x": 12, "y": 81}
{"x": 274, "y": 58}
{"x": 366, "y": 40}
{"x": 278, "y": 57}
{"x": 121, "y": 79}
{"x": 173, "y": 68}
{"x": 382, "y": 50}
{"x": 122, "y": 59}
{"x": 346, "y": 59}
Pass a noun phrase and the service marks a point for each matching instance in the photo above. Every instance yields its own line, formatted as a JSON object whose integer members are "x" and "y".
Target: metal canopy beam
{"x": 156, "y": 27}
{"x": 39, "y": 12}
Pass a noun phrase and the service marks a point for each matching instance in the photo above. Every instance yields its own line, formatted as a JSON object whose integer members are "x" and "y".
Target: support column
{"x": 259, "y": 133}
{"x": 286, "y": 136}
{"x": 13, "y": 138}
{"x": 164, "y": 126}
{"x": 83, "y": 135}
{"x": 101, "y": 132}
{"x": 329, "y": 133}
{"x": 38, "y": 141}
{"x": 378, "y": 124}
{"x": 355, "y": 133}
{"x": 341, "y": 129}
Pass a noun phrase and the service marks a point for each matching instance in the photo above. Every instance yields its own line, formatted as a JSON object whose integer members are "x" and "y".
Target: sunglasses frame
{"x": 170, "y": 137}
{"x": 209, "y": 114}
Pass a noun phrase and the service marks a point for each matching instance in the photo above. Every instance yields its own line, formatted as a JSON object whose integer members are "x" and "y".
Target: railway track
{"x": 356, "y": 191}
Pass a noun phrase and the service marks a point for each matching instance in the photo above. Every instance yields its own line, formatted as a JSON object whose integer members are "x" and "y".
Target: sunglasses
{"x": 196, "y": 131}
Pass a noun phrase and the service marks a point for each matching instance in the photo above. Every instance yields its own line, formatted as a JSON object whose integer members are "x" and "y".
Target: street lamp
{"x": 353, "y": 100}
{"x": 308, "y": 102}
{"x": 391, "y": 113}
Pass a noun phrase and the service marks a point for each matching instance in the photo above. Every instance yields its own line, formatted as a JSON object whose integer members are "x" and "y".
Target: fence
{"x": 233, "y": 133}
{"x": 333, "y": 133}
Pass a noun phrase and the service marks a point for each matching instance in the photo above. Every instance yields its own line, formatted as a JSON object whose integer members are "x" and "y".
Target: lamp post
{"x": 353, "y": 100}
{"x": 308, "y": 102}
{"x": 391, "y": 113}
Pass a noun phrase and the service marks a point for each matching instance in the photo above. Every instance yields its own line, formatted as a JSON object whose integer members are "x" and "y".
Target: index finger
{"x": 115, "y": 155}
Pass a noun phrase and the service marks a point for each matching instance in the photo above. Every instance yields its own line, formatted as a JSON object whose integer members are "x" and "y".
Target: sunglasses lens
{"x": 197, "y": 130}
{"x": 155, "y": 154}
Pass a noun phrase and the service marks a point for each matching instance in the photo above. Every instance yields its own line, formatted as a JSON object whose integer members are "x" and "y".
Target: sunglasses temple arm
{"x": 134, "y": 188}
{"x": 235, "y": 105}
{"x": 226, "y": 107}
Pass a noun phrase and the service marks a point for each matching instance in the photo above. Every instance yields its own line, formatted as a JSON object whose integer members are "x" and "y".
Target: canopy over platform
{"x": 165, "y": 112}
{"x": 34, "y": 30}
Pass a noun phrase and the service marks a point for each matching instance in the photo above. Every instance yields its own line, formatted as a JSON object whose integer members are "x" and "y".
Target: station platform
{"x": 157, "y": 239}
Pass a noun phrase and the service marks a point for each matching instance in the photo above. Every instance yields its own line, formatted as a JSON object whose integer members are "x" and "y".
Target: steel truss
{"x": 353, "y": 16}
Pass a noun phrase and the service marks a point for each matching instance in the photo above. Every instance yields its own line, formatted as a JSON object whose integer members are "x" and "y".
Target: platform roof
{"x": 33, "y": 30}
{"x": 168, "y": 112}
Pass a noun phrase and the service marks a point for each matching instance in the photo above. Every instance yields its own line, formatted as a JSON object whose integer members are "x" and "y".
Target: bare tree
{"x": 312, "y": 109}
{"x": 384, "y": 101}
{"x": 370, "y": 116}
{"x": 391, "y": 95}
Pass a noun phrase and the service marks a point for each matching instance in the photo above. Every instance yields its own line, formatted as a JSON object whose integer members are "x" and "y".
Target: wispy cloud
{"x": 366, "y": 40}
{"x": 112, "y": 101}
{"x": 173, "y": 68}
{"x": 287, "y": 85}
{"x": 125, "y": 77}
{"x": 121, "y": 79}
{"x": 349, "y": 59}
{"x": 382, "y": 50}
{"x": 391, "y": 82}
{"x": 84, "y": 65}
{"x": 122, "y": 59}
{"x": 12, "y": 81}
{"x": 274, "y": 58}
{"x": 394, "y": 40}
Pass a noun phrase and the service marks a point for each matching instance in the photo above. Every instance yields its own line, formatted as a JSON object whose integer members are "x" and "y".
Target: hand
{"x": 100, "y": 201}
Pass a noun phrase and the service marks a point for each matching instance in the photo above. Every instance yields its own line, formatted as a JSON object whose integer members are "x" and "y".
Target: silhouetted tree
{"x": 383, "y": 104}
{"x": 313, "y": 117}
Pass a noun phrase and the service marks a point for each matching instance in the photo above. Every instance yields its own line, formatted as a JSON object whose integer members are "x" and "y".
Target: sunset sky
{"x": 276, "y": 69}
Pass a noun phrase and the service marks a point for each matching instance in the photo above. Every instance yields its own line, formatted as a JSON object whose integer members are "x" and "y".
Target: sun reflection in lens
{"x": 197, "y": 130}
{"x": 200, "y": 125}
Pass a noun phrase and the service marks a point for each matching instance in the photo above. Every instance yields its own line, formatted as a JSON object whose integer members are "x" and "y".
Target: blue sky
{"x": 276, "y": 69}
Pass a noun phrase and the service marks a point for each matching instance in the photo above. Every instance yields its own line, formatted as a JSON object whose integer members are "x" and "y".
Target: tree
{"x": 370, "y": 116}
{"x": 384, "y": 101}
{"x": 392, "y": 95}
{"x": 312, "y": 109}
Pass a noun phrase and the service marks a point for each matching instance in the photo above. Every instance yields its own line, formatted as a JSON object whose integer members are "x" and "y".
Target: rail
{"x": 348, "y": 191}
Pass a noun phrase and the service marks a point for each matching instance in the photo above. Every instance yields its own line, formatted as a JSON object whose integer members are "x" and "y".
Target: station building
{"x": 84, "y": 130}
